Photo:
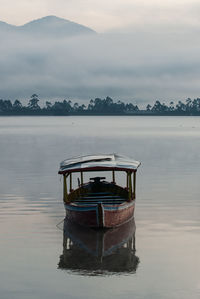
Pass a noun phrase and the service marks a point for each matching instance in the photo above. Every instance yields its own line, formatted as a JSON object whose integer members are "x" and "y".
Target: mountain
{"x": 5, "y": 27}
{"x": 52, "y": 25}
{"x": 49, "y": 26}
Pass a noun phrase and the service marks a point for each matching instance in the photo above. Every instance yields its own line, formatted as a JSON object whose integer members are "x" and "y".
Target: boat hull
{"x": 100, "y": 215}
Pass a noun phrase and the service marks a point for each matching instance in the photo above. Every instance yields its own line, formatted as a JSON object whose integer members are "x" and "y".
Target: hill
{"x": 49, "y": 26}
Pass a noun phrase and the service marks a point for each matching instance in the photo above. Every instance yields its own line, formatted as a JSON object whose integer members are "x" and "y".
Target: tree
{"x": 48, "y": 105}
{"x": 195, "y": 107}
{"x": 171, "y": 107}
{"x": 67, "y": 106}
{"x": 91, "y": 105}
{"x": 188, "y": 104}
{"x": 33, "y": 103}
{"x": 148, "y": 107}
{"x": 157, "y": 107}
{"x": 17, "y": 105}
{"x": 5, "y": 105}
{"x": 180, "y": 107}
{"x": 76, "y": 106}
{"x": 82, "y": 107}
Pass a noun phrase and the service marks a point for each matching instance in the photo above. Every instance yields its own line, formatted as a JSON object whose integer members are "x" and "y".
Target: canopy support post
{"x": 65, "y": 195}
{"x": 127, "y": 180}
{"x": 130, "y": 186}
{"x": 134, "y": 184}
{"x": 113, "y": 177}
{"x": 81, "y": 178}
{"x": 70, "y": 182}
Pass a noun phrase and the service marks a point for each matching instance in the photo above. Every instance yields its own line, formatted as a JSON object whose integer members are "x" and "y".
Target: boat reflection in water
{"x": 97, "y": 252}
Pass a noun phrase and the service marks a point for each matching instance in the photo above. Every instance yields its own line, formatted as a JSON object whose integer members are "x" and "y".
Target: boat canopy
{"x": 98, "y": 163}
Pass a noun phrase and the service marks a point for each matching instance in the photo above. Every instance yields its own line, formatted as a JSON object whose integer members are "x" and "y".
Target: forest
{"x": 97, "y": 106}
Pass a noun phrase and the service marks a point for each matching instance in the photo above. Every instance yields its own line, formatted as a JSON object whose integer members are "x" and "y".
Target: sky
{"x": 145, "y": 50}
{"x": 105, "y": 15}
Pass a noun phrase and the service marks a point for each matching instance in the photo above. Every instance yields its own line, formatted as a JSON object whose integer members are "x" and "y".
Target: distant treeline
{"x": 98, "y": 107}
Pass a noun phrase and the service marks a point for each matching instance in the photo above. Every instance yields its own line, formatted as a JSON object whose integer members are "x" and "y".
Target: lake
{"x": 165, "y": 257}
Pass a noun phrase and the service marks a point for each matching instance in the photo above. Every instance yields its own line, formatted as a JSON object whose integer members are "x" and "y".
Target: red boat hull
{"x": 100, "y": 215}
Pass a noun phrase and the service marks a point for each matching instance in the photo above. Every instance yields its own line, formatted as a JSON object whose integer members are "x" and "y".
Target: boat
{"x": 97, "y": 202}
{"x": 92, "y": 252}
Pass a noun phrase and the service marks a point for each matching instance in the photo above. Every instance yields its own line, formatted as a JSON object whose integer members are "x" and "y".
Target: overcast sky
{"x": 104, "y": 15}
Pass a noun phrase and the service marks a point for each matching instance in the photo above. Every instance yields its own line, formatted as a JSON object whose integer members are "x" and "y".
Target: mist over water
{"x": 167, "y": 216}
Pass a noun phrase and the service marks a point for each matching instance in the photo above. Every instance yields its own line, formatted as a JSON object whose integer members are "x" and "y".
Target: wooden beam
{"x": 130, "y": 186}
{"x": 65, "y": 196}
{"x": 81, "y": 178}
{"x": 134, "y": 184}
{"x": 113, "y": 176}
{"x": 70, "y": 182}
{"x": 127, "y": 180}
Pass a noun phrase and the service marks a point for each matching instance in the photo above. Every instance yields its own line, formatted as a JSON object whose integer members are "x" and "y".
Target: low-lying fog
{"x": 139, "y": 66}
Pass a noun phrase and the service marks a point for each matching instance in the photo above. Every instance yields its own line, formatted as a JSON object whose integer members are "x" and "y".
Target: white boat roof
{"x": 98, "y": 162}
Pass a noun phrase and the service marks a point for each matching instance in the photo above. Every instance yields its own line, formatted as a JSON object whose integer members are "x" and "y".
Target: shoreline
{"x": 89, "y": 114}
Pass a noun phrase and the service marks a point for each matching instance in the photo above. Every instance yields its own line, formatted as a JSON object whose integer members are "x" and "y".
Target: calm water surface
{"x": 160, "y": 259}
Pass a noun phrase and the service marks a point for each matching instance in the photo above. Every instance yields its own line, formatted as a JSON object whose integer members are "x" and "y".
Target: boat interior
{"x": 99, "y": 191}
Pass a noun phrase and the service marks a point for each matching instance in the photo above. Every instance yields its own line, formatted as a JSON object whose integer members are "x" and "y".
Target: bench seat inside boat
{"x": 103, "y": 197}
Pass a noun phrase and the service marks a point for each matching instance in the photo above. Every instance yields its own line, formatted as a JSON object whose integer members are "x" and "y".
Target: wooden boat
{"x": 89, "y": 251}
{"x": 97, "y": 202}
